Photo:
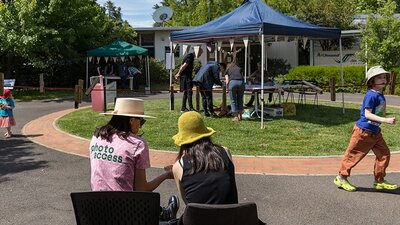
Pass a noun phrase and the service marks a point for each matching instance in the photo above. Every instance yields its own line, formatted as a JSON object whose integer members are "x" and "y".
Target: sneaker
{"x": 192, "y": 109}
{"x": 344, "y": 184}
{"x": 384, "y": 185}
{"x": 184, "y": 110}
{"x": 206, "y": 114}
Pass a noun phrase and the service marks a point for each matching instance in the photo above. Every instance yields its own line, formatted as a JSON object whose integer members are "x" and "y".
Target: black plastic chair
{"x": 232, "y": 214}
{"x": 116, "y": 207}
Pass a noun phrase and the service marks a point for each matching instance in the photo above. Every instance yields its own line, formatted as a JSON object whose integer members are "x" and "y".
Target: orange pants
{"x": 360, "y": 143}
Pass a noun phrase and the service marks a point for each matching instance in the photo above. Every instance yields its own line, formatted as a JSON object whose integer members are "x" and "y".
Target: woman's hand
{"x": 168, "y": 170}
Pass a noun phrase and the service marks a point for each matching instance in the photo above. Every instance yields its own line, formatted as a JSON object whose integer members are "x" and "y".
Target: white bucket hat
{"x": 375, "y": 71}
{"x": 133, "y": 107}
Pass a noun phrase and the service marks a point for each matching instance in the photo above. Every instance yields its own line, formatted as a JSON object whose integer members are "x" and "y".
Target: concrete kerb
{"x": 265, "y": 165}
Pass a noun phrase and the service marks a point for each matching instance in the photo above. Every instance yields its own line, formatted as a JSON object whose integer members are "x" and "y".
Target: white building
{"x": 156, "y": 40}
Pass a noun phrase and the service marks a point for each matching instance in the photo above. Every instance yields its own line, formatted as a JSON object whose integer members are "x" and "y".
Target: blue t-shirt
{"x": 8, "y": 102}
{"x": 377, "y": 102}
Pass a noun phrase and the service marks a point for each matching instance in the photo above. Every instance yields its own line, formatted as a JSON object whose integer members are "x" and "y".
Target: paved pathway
{"x": 53, "y": 138}
{"x": 35, "y": 183}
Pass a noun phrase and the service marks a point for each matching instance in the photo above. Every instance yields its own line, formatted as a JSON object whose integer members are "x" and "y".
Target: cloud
{"x": 137, "y": 12}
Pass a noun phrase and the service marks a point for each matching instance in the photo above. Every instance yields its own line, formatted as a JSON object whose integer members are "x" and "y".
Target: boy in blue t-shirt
{"x": 367, "y": 134}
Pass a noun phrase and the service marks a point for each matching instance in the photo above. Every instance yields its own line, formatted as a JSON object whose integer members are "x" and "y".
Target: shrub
{"x": 278, "y": 66}
{"x": 354, "y": 77}
{"x": 63, "y": 74}
{"x": 158, "y": 73}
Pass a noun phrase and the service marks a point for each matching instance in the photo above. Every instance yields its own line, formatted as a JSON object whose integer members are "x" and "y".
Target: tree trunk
{"x": 392, "y": 83}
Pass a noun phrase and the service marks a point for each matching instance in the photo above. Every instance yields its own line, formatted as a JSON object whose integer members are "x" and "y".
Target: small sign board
{"x": 169, "y": 61}
{"x": 111, "y": 92}
{"x": 9, "y": 83}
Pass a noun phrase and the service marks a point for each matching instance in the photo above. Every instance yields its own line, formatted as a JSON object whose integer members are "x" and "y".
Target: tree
{"x": 112, "y": 11}
{"x": 363, "y": 6}
{"x": 38, "y": 32}
{"x": 380, "y": 41}
{"x": 197, "y": 12}
{"x": 119, "y": 29}
{"x": 326, "y": 13}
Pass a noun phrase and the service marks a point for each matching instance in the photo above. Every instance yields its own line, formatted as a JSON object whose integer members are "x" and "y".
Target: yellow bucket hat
{"x": 191, "y": 128}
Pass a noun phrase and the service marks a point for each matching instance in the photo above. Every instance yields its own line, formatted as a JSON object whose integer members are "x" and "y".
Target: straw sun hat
{"x": 191, "y": 128}
{"x": 375, "y": 71}
{"x": 132, "y": 107}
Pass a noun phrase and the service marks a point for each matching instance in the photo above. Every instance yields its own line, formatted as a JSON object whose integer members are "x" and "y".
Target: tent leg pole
{"x": 245, "y": 66}
{"x": 341, "y": 72}
{"x": 171, "y": 89}
{"x": 262, "y": 79}
{"x": 148, "y": 71}
{"x": 216, "y": 52}
{"x": 366, "y": 58}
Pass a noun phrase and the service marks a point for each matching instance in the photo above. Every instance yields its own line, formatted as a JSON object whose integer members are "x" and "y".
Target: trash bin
{"x": 98, "y": 97}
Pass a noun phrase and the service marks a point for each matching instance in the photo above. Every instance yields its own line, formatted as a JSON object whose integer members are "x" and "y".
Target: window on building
{"x": 147, "y": 39}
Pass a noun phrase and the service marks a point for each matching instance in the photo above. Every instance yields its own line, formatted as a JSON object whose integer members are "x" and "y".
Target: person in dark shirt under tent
{"x": 185, "y": 76}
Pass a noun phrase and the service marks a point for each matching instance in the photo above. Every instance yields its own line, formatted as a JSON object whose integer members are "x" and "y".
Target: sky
{"x": 137, "y": 12}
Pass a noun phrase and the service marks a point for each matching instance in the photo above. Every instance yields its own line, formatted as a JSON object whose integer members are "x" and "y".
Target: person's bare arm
{"x": 227, "y": 82}
{"x": 370, "y": 116}
{"x": 178, "y": 172}
{"x": 182, "y": 68}
{"x": 141, "y": 183}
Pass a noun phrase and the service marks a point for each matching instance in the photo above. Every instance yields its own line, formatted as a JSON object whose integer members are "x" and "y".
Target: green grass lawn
{"x": 34, "y": 94}
{"x": 319, "y": 131}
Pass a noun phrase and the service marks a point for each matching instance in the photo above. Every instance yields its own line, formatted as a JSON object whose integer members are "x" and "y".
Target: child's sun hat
{"x": 191, "y": 128}
{"x": 375, "y": 71}
{"x": 6, "y": 93}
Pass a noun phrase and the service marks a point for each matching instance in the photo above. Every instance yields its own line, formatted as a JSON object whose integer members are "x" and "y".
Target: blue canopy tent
{"x": 255, "y": 18}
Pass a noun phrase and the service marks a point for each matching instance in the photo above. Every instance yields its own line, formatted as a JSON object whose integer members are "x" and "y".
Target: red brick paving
{"x": 43, "y": 132}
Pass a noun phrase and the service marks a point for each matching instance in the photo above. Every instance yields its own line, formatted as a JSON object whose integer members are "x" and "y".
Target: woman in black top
{"x": 204, "y": 172}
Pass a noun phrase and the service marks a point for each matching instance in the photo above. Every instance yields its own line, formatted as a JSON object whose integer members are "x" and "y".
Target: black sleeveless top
{"x": 214, "y": 187}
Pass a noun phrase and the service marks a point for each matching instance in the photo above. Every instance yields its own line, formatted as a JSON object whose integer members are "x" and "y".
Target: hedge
{"x": 354, "y": 77}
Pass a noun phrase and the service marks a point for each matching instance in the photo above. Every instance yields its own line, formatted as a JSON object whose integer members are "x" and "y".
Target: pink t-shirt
{"x": 113, "y": 164}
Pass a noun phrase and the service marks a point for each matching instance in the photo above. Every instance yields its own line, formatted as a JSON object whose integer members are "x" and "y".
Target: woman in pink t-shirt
{"x": 119, "y": 156}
